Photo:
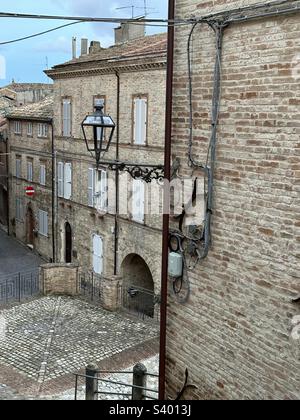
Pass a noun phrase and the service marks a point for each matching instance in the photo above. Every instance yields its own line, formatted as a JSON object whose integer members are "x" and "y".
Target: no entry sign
{"x": 29, "y": 191}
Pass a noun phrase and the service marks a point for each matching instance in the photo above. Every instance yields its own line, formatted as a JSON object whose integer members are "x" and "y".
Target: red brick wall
{"x": 234, "y": 334}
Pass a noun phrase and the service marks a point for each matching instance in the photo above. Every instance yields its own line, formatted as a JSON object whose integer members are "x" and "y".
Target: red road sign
{"x": 29, "y": 191}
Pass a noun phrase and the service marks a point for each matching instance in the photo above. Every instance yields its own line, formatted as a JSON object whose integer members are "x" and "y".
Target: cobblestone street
{"x": 15, "y": 257}
{"x": 44, "y": 342}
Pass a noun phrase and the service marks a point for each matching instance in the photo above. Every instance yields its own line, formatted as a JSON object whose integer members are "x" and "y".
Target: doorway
{"x": 68, "y": 237}
{"x": 30, "y": 224}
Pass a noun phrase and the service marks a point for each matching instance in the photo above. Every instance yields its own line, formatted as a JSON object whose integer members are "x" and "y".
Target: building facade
{"x": 27, "y": 93}
{"x": 238, "y": 331}
{"x": 30, "y": 164}
{"x": 102, "y": 221}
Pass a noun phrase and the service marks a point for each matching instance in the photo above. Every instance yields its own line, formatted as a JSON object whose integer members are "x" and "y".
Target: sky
{"x": 25, "y": 61}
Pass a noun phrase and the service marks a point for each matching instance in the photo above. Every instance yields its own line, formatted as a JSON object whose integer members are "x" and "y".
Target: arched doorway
{"x": 30, "y": 224}
{"x": 138, "y": 286}
{"x": 68, "y": 244}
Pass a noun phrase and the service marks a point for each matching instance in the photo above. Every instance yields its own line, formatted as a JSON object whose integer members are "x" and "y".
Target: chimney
{"x": 74, "y": 47}
{"x": 129, "y": 31}
{"x": 95, "y": 47}
{"x": 84, "y": 46}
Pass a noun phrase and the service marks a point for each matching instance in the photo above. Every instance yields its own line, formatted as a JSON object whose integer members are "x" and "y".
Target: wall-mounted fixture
{"x": 175, "y": 265}
{"x": 98, "y": 130}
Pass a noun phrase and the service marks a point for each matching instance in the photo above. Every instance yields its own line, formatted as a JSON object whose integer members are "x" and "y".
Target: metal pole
{"x": 139, "y": 380}
{"x": 166, "y": 217}
{"x": 91, "y": 384}
{"x": 7, "y": 185}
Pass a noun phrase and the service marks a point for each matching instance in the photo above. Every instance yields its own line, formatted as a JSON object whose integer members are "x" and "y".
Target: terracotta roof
{"x": 21, "y": 87}
{"x": 154, "y": 45}
{"x": 42, "y": 110}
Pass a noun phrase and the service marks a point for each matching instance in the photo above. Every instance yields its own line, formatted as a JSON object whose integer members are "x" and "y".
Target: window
{"x": 97, "y": 254}
{"x": 18, "y": 127}
{"x": 43, "y": 130}
{"x": 29, "y": 170}
{"x": 138, "y": 201}
{"x": 98, "y": 189}
{"x": 29, "y": 129}
{"x": 19, "y": 209}
{"x": 18, "y": 168}
{"x": 140, "y": 111}
{"x": 64, "y": 180}
{"x": 43, "y": 174}
{"x": 66, "y": 117}
{"x": 43, "y": 223}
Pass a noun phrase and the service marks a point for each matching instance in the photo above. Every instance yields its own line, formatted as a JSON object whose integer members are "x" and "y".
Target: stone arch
{"x": 138, "y": 285}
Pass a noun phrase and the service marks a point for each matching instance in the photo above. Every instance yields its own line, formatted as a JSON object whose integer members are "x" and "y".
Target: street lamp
{"x": 98, "y": 130}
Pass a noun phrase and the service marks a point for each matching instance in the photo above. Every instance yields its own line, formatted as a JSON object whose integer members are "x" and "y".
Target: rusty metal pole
{"x": 166, "y": 216}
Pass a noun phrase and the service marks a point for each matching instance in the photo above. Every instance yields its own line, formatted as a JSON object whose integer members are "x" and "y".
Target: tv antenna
{"x": 132, "y": 7}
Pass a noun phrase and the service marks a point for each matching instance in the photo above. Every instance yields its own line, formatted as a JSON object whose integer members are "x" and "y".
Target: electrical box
{"x": 175, "y": 264}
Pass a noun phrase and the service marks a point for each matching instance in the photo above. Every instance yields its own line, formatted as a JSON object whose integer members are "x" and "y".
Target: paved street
{"x": 15, "y": 257}
{"x": 45, "y": 341}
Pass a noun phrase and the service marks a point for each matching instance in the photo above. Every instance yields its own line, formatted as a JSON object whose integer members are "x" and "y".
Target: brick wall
{"x": 234, "y": 334}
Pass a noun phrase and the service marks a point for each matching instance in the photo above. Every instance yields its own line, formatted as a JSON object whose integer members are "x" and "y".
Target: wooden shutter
{"x": 104, "y": 191}
{"x": 91, "y": 187}
{"x": 140, "y": 120}
{"x": 138, "y": 201}
{"x": 97, "y": 254}
{"x": 60, "y": 179}
{"x": 66, "y": 118}
{"x": 68, "y": 181}
{"x": 42, "y": 174}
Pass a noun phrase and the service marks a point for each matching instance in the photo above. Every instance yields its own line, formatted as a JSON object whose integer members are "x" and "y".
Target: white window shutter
{"x": 68, "y": 181}
{"x": 140, "y": 121}
{"x": 138, "y": 201}
{"x": 42, "y": 174}
{"x": 66, "y": 118}
{"x": 144, "y": 112}
{"x": 60, "y": 179}
{"x": 97, "y": 254}
{"x": 104, "y": 191}
{"x": 91, "y": 187}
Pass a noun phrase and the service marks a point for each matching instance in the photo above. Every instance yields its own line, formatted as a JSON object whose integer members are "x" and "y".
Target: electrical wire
{"x": 39, "y": 33}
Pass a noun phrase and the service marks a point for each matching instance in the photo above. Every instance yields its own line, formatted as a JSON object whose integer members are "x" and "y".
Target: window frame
{"x": 134, "y": 97}
{"x": 19, "y": 209}
{"x": 63, "y": 100}
{"x": 44, "y": 217}
{"x": 43, "y": 180}
{"x": 29, "y": 133}
{"x": 29, "y": 170}
{"x": 19, "y": 124}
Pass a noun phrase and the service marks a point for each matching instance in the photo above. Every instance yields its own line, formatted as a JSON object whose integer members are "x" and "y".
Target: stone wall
{"x": 85, "y": 221}
{"x": 59, "y": 279}
{"x": 38, "y": 150}
{"x": 234, "y": 334}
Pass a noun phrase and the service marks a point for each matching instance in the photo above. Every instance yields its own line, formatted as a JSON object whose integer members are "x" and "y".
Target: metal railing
{"x": 138, "y": 388}
{"x": 19, "y": 286}
{"x": 90, "y": 286}
{"x": 141, "y": 302}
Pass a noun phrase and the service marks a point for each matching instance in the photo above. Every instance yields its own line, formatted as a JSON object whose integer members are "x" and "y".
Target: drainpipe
{"x": 166, "y": 217}
{"x": 54, "y": 195}
{"x": 117, "y": 180}
{"x": 7, "y": 183}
